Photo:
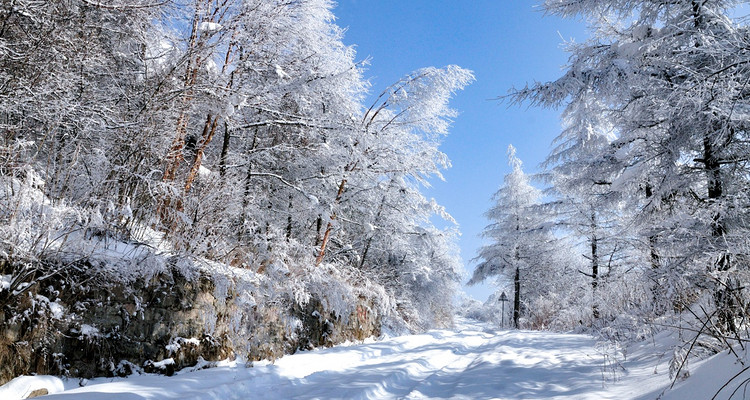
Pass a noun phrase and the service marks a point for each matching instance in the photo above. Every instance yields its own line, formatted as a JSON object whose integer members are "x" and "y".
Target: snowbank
{"x": 24, "y": 387}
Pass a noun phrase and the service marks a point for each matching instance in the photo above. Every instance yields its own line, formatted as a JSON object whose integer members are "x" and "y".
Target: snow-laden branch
{"x": 99, "y": 4}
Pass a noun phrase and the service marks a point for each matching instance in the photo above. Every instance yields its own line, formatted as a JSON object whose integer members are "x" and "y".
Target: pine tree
{"x": 519, "y": 238}
{"x": 670, "y": 82}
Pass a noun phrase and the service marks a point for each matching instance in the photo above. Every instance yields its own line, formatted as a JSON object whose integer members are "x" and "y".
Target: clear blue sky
{"x": 506, "y": 43}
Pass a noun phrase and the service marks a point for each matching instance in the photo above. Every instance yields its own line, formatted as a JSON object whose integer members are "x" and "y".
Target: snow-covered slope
{"x": 471, "y": 362}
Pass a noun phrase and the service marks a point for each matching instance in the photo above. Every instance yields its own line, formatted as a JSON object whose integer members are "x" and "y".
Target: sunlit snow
{"x": 473, "y": 361}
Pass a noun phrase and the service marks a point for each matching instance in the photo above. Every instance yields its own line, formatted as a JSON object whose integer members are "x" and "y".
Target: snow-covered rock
{"x": 26, "y": 387}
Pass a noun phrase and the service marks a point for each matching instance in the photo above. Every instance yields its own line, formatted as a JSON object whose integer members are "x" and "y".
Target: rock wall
{"x": 90, "y": 329}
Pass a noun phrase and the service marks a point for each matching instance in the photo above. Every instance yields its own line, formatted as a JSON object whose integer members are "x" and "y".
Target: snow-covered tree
{"x": 521, "y": 243}
{"x": 669, "y": 83}
{"x": 237, "y": 130}
{"x": 580, "y": 171}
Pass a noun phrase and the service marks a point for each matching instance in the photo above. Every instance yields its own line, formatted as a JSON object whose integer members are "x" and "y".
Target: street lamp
{"x": 503, "y": 299}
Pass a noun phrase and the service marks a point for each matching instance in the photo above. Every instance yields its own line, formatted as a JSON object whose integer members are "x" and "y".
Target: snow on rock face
{"x": 164, "y": 363}
{"x": 124, "y": 297}
{"x": 194, "y": 316}
{"x": 127, "y": 320}
{"x": 56, "y": 310}
{"x": 89, "y": 332}
{"x": 178, "y": 342}
{"x": 166, "y": 366}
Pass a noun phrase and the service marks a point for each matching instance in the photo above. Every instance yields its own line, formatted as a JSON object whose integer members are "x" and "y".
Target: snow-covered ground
{"x": 473, "y": 361}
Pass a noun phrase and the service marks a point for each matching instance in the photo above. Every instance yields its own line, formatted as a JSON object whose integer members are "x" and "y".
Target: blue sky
{"x": 507, "y": 43}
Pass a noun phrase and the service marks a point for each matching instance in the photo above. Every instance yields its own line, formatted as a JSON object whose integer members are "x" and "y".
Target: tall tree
{"x": 519, "y": 240}
{"x": 580, "y": 172}
{"x": 671, "y": 81}
{"x": 397, "y": 140}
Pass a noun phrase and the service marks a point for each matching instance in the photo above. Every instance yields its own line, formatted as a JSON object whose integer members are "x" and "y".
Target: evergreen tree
{"x": 520, "y": 241}
{"x": 669, "y": 83}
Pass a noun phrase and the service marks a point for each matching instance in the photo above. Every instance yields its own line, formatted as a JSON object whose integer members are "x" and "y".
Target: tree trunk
{"x": 376, "y": 221}
{"x": 594, "y": 275}
{"x": 247, "y": 188}
{"x": 725, "y": 292}
{"x": 329, "y": 227}
{"x": 659, "y": 306}
{"x": 652, "y": 242}
{"x": 175, "y": 157}
{"x": 318, "y": 228}
{"x": 224, "y": 151}
{"x": 208, "y": 134}
{"x": 517, "y": 297}
{"x": 289, "y": 220}
{"x": 594, "y": 266}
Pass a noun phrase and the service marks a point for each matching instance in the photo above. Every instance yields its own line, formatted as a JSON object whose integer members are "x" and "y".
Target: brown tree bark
{"x": 209, "y": 129}
{"x": 329, "y": 227}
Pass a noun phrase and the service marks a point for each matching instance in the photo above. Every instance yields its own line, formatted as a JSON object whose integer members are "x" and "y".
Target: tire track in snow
{"x": 459, "y": 351}
{"x": 516, "y": 364}
{"x": 439, "y": 376}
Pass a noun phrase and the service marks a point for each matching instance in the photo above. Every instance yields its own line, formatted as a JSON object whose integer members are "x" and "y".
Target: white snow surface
{"x": 89, "y": 331}
{"x": 22, "y": 386}
{"x": 209, "y": 26}
{"x": 5, "y": 281}
{"x": 473, "y": 361}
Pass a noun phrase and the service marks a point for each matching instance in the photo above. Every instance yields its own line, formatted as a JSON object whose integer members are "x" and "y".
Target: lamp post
{"x": 503, "y": 299}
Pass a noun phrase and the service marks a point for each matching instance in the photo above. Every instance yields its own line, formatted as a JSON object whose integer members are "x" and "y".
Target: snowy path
{"x": 471, "y": 363}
